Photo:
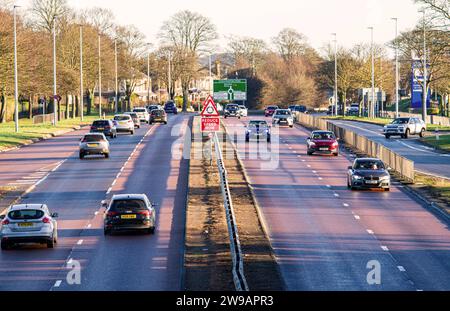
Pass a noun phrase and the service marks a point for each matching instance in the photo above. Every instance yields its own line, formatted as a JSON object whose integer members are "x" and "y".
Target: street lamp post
{"x": 372, "y": 105}
{"x": 99, "y": 77}
{"x": 55, "y": 108}
{"x": 16, "y": 83}
{"x": 81, "y": 75}
{"x": 425, "y": 72}
{"x": 397, "y": 78}
{"x": 116, "y": 98}
{"x": 335, "y": 76}
{"x": 169, "y": 76}
{"x": 148, "y": 78}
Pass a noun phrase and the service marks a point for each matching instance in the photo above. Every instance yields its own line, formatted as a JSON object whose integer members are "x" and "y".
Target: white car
{"x": 404, "y": 127}
{"x": 283, "y": 117}
{"x": 28, "y": 223}
{"x": 124, "y": 123}
{"x": 143, "y": 114}
{"x": 243, "y": 111}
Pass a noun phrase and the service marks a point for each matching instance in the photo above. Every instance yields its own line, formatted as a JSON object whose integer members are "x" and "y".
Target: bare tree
{"x": 248, "y": 52}
{"x": 188, "y": 33}
{"x": 290, "y": 43}
{"x": 439, "y": 12}
{"x": 100, "y": 18}
{"x": 45, "y": 12}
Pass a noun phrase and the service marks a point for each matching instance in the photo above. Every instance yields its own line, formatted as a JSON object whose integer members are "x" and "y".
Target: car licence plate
{"x": 92, "y": 145}
{"x": 100, "y": 129}
{"x": 26, "y": 225}
{"x": 323, "y": 149}
{"x": 128, "y": 217}
{"x": 371, "y": 182}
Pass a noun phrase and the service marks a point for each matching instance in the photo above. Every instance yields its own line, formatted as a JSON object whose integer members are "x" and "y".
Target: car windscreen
{"x": 232, "y": 107}
{"x": 127, "y": 205}
{"x": 101, "y": 123}
{"x": 283, "y": 113}
{"x": 323, "y": 136}
{"x": 92, "y": 138}
{"x": 139, "y": 110}
{"x": 369, "y": 165}
{"x": 122, "y": 118}
{"x": 258, "y": 123}
{"x": 28, "y": 214}
{"x": 133, "y": 115}
{"x": 400, "y": 121}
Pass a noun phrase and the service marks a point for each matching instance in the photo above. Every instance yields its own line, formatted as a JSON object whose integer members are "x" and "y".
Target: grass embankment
{"x": 28, "y": 131}
{"x": 436, "y": 189}
{"x": 443, "y": 143}
{"x": 384, "y": 121}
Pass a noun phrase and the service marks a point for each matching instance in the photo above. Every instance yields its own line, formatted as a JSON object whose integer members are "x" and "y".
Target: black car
{"x": 170, "y": 107}
{"x": 232, "y": 110}
{"x": 367, "y": 173}
{"x": 129, "y": 212}
{"x": 106, "y": 127}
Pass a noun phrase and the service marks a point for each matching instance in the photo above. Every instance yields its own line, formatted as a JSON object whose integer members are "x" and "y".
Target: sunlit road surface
{"x": 142, "y": 163}
{"x": 325, "y": 235}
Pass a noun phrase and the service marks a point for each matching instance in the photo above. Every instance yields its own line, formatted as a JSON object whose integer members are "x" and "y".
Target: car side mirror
{"x": 104, "y": 203}
{"x": 55, "y": 215}
{"x": 350, "y": 167}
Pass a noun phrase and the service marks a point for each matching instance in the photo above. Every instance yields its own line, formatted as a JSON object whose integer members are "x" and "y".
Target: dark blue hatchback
{"x": 170, "y": 107}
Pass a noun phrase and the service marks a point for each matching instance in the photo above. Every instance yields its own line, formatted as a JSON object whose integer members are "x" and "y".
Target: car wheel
{"x": 225, "y": 117}
{"x": 406, "y": 136}
{"x": 106, "y": 231}
{"x": 5, "y": 245}
{"x": 309, "y": 153}
{"x": 106, "y": 155}
{"x": 131, "y": 132}
{"x": 151, "y": 230}
{"x": 387, "y": 189}
{"x": 247, "y": 139}
{"x": 111, "y": 136}
{"x": 387, "y": 136}
{"x": 81, "y": 156}
{"x": 422, "y": 133}
{"x": 165, "y": 123}
{"x": 336, "y": 154}
{"x": 51, "y": 244}
{"x": 291, "y": 126}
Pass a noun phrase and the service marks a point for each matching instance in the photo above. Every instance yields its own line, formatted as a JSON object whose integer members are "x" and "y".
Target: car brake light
{"x": 145, "y": 213}
{"x": 46, "y": 220}
{"x": 112, "y": 214}
{"x": 107, "y": 127}
{"x": 92, "y": 127}
{"x": 5, "y": 222}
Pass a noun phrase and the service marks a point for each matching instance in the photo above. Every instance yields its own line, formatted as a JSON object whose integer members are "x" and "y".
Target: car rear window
{"x": 129, "y": 204}
{"x": 101, "y": 123}
{"x": 157, "y": 113}
{"x": 122, "y": 118}
{"x": 139, "y": 110}
{"x": 92, "y": 138}
{"x": 26, "y": 214}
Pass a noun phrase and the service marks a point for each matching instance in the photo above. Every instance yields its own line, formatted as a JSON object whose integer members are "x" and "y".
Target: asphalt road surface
{"x": 425, "y": 158}
{"x": 142, "y": 163}
{"x": 325, "y": 236}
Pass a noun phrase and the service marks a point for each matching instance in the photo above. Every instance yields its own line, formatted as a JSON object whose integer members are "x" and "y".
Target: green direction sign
{"x": 230, "y": 89}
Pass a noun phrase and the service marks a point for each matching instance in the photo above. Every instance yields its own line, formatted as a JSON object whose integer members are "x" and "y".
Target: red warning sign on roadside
{"x": 209, "y": 108}
{"x": 210, "y": 124}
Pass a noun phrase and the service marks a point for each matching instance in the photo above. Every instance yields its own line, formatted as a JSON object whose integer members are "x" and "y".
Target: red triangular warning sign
{"x": 209, "y": 108}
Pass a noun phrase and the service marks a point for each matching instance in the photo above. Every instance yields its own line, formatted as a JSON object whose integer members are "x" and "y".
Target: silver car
{"x": 283, "y": 117}
{"x": 368, "y": 173}
{"x": 143, "y": 114}
{"x": 28, "y": 223}
{"x": 124, "y": 123}
{"x": 94, "y": 144}
{"x": 404, "y": 127}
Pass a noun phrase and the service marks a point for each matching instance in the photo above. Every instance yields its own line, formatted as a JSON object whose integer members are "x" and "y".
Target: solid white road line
{"x": 357, "y": 217}
{"x": 385, "y": 248}
{"x": 401, "y": 268}
{"x": 370, "y": 232}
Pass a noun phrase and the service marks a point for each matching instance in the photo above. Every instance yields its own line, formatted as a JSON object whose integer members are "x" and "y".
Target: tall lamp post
{"x": 372, "y": 105}
{"x": 149, "y": 83}
{"x": 99, "y": 77}
{"x": 397, "y": 78}
{"x": 16, "y": 83}
{"x": 81, "y": 75}
{"x": 425, "y": 71}
{"x": 170, "y": 75}
{"x": 335, "y": 76}
{"x": 116, "y": 98}
{"x": 55, "y": 93}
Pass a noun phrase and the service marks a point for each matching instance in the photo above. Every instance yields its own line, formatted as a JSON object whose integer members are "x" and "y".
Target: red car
{"x": 323, "y": 142}
{"x": 270, "y": 111}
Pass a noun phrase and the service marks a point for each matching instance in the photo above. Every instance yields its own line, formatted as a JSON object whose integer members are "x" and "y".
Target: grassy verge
{"x": 443, "y": 143}
{"x": 28, "y": 131}
{"x": 384, "y": 121}
{"x": 435, "y": 189}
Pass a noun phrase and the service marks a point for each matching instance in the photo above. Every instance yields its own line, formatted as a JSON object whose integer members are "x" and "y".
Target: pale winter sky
{"x": 263, "y": 19}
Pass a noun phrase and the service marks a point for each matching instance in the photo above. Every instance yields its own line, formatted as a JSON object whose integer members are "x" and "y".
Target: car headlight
{"x": 384, "y": 178}
{"x": 357, "y": 177}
